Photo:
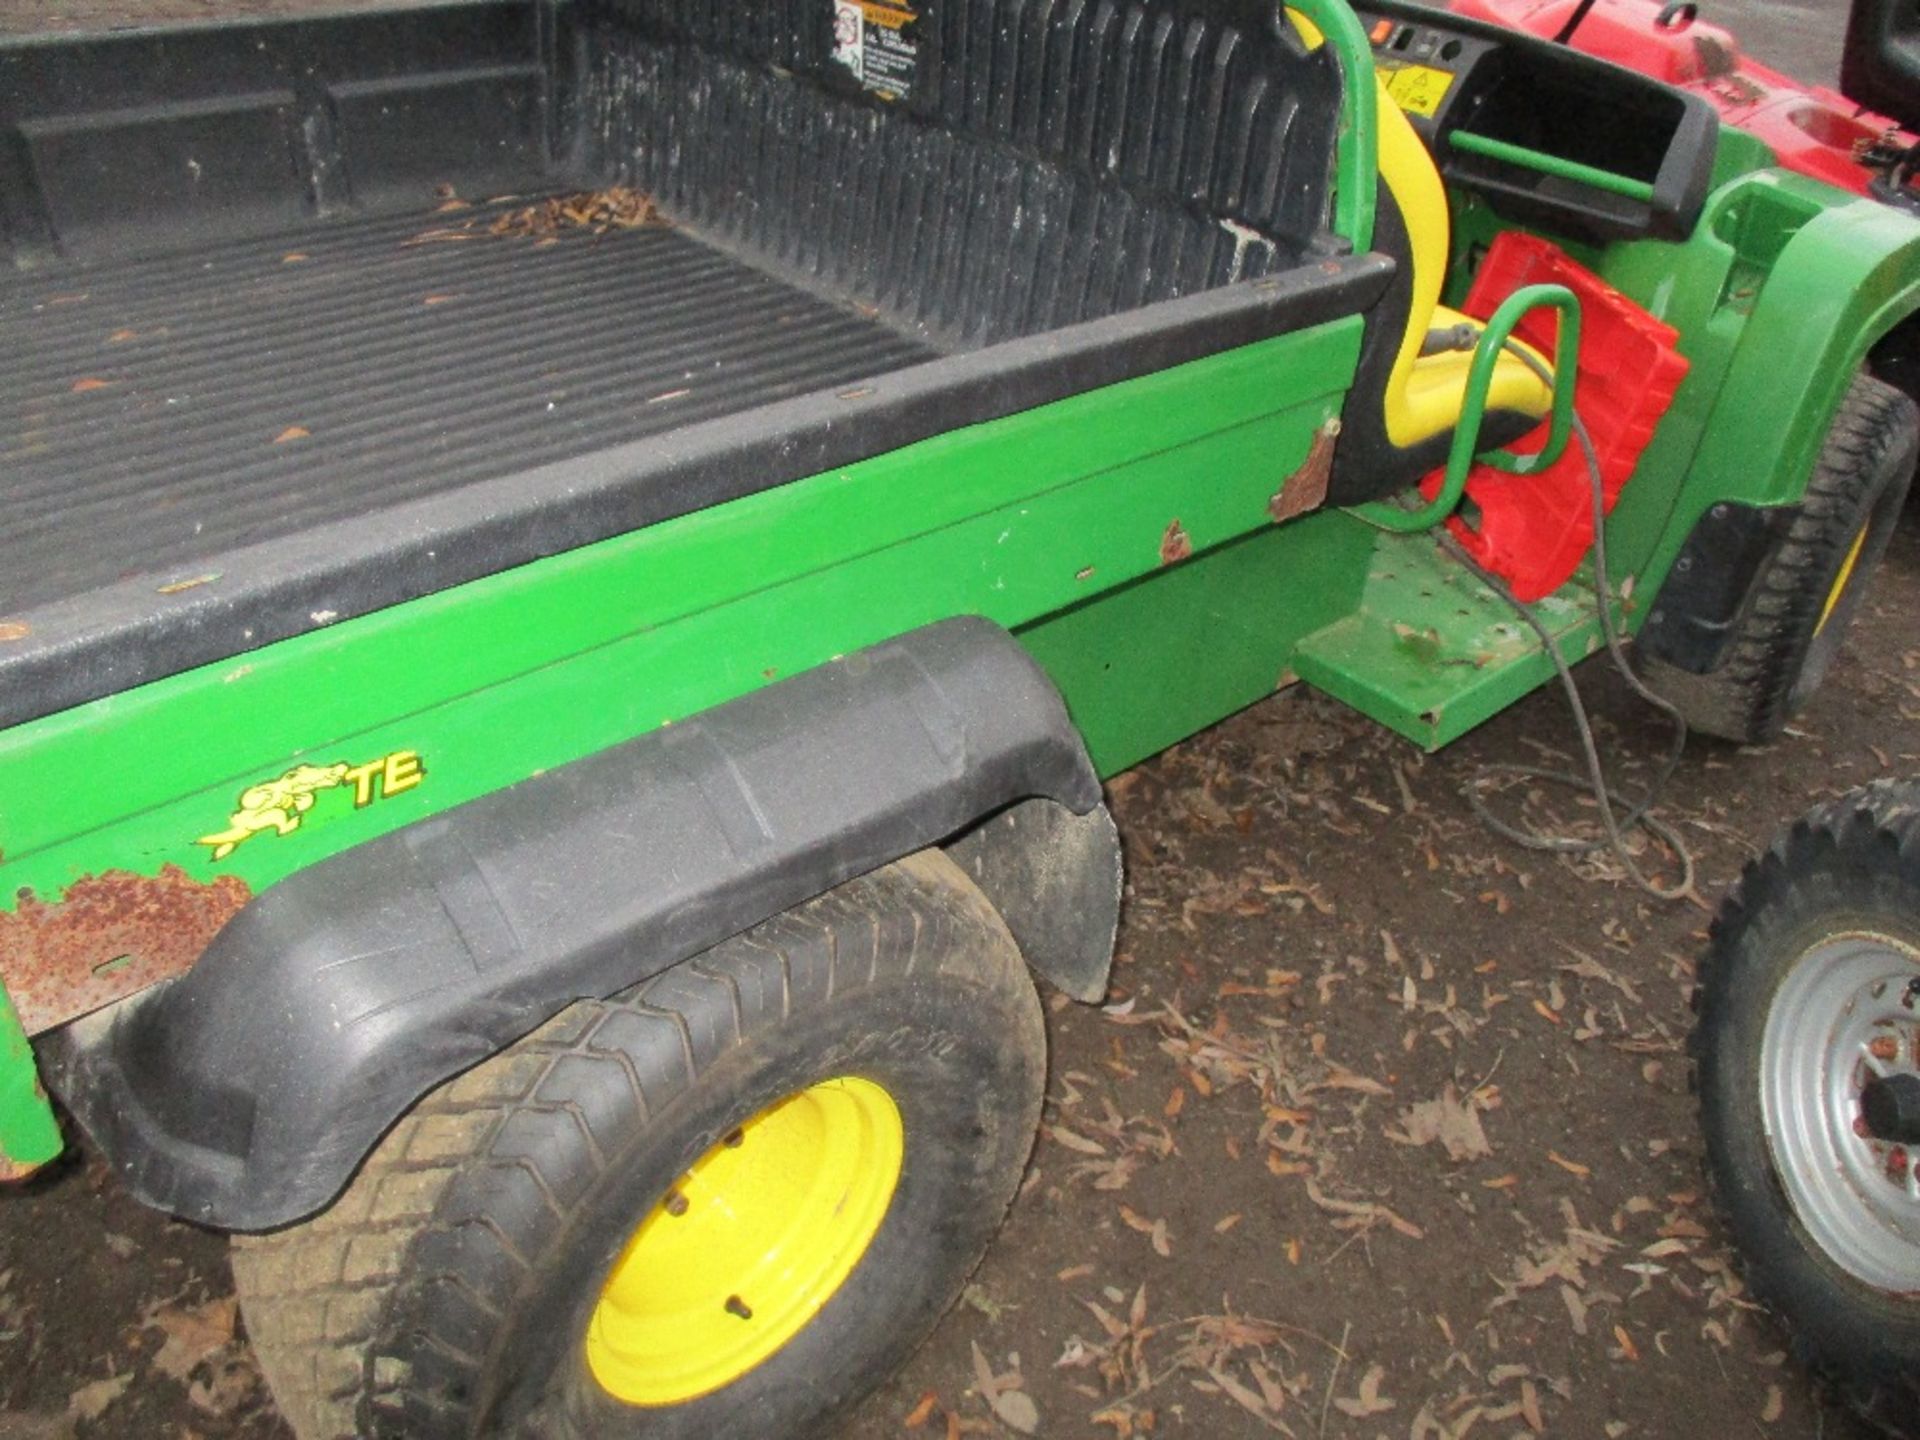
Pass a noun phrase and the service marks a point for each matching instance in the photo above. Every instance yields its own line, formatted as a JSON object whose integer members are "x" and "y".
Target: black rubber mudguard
{"x": 245, "y": 1094}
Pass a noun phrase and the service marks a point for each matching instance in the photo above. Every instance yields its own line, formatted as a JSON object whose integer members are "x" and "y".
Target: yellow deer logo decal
{"x": 276, "y": 805}
{"x": 279, "y": 805}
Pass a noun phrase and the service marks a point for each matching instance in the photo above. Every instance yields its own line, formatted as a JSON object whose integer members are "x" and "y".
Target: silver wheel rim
{"x": 1848, "y": 1012}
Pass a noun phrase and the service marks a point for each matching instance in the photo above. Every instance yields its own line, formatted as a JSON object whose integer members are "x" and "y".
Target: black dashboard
{"x": 1550, "y": 136}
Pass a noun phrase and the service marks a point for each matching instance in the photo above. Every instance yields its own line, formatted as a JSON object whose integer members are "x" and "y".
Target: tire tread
{"x": 448, "y": 1151}
{"x": 1748, "y": 697}
{"x": 1875, "y": 829}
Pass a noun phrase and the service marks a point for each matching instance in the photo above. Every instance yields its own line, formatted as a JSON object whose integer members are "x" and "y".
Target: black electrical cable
{"x": 1615, "y": 822}
{"x": 1574, "y": 21}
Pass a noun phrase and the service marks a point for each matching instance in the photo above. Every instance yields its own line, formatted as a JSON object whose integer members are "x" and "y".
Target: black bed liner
{"x": 206, "y": 445}
{"x": 172, "y": 409}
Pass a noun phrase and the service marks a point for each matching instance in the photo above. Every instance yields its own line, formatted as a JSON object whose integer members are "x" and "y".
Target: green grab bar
{"x": 1551, "y": 165}
{"x": 1473, "y": 410}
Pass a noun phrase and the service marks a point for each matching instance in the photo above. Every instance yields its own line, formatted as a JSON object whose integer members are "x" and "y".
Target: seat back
{"x": 1413, "y": 182}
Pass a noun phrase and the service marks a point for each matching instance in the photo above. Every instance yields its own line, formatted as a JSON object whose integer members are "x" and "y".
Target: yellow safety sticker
{"x": 875, "y": 12}
{"x": 1417, "y": 89}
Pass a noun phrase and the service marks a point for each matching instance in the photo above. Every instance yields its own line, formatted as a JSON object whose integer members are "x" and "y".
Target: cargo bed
{"x": 173, "y": 408}
{"x": 279, "y": 345}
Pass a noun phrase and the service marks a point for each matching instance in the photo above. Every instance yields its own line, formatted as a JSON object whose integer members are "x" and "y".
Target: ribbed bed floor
{"x": 158, "y": 412}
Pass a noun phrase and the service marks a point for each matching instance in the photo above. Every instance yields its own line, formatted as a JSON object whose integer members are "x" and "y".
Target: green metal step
{"x": 1432, "y": 651}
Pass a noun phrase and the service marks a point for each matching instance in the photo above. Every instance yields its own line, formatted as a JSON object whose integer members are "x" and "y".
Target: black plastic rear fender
{"x": 245, "y": 1093}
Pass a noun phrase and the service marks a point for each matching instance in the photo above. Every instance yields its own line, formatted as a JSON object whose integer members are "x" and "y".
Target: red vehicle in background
{"x": 1819, "y": 132}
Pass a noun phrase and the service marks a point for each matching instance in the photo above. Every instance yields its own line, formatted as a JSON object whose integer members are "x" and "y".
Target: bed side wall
{"x": 1016, "y": 165}
{"x": 150, "y": 140}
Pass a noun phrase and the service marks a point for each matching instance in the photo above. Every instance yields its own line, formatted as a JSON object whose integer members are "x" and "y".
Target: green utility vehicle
{"x": 571, "y": 570}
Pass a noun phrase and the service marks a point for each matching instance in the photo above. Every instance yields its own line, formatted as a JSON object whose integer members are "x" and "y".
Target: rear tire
{"x": 1811, "y": 988}
{"x": 451, "y": 1289}
{"x": 1808, "y": 591}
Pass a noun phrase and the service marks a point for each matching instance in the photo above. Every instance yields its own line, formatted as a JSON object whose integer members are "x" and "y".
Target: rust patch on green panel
{"x": 1306, "y": 488}
{"x": 1175, "y": 544}
{"x": 107, "y": 937}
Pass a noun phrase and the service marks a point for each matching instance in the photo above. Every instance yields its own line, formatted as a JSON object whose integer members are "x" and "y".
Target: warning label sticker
{"x": 875, "y": 42}
{"x": 1417, "y": 89}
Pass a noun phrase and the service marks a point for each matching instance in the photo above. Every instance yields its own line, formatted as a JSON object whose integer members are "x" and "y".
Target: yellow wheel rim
{"x": 751, "y": 1243}
{"x": 1840, "y": 581}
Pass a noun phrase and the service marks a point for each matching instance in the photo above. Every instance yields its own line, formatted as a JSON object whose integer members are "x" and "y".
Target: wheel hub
{"x": 1840, "y": 1097}
{"x": 1890, "y": 1106}
{"x": 748, "y": 1246}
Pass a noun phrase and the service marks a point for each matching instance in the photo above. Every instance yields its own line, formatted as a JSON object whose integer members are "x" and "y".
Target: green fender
{"x": 1843, "y": 279}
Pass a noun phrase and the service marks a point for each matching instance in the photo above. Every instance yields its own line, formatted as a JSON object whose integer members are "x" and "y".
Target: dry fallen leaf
{"x": 193, "y": 1333}
{"x": 920, "y": 1413}
{"x": 1454, "y": 1122}
{"x": 1369, "y": 1401}
{"x": 1530, "y": 1407}
{"x": 1775, "y": 1407}
{"x": 1156, "y": 1230}
{"x": 232, "y": 1382}
{"x": 1073, "y": 1140}
{"x": 91, "y": 1400}
{"x": 292, "y": 432}
{"x": 1011, "y": 1405}
{"x": 1015, "y": 1409}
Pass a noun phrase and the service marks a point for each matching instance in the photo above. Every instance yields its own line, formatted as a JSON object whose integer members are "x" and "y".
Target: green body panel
{"x": 492, "y": 681}
{"x": 1778, "y": 295}
{"x": 1845, "y": 273}
{"x": 1156, "y": 661}
{"x": 29, "y": 1135}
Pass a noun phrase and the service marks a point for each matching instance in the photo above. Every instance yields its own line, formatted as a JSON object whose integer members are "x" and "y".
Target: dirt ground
{"x": 1239, "y": 1219}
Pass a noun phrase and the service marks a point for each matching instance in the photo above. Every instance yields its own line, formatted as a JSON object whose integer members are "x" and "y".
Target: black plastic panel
{"x": 1710, "y": 586}
{"x": 196, "y": 165}
{"x": 136, "y": 142}
{"x": 1516, "y": 88}
{"x": 1880, "y": 67}
{"x": 1052, "y": 163}
{"x": 485, "y": 126}
{"x": 411, "y": 368}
